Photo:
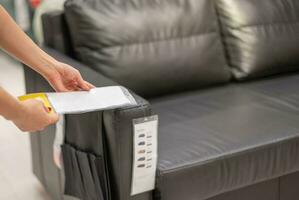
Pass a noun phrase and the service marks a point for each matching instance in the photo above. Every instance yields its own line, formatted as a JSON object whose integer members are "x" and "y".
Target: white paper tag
{"x": 145, "y": 154}
{"x": 86, "y": 101}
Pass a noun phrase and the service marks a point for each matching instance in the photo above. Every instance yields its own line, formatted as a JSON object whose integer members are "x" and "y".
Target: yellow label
{"x": 38, "y": 96}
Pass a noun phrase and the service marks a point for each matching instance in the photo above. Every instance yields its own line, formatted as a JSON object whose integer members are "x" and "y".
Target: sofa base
{"x": 283, "y": 188}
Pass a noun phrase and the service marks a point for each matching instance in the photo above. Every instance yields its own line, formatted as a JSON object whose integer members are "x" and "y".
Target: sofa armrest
{"x": 108, "y": 134}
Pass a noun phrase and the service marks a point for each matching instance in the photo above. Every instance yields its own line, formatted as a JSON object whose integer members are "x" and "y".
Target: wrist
{"x": 10, "y": 107}
{"x": 49, "y": 69}
{"x": 46, "y": 66}
{"x": 18, "y": 110}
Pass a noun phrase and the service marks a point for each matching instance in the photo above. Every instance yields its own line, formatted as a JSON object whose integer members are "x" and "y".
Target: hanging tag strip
{"x": 145, "y": 154}
{"x": 58, "y": 141}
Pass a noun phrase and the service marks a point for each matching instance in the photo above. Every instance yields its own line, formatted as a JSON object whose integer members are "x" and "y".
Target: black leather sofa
{"x": 221, "y": 74}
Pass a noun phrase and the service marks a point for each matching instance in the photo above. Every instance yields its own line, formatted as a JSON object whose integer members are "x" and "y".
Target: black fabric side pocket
{"x": 83, "y": 173}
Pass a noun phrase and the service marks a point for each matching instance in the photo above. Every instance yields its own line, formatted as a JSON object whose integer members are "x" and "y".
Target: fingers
{"x": 52, "y": 116}
{"x": 68, "y": 79}
{"x": 35, "y": 116}
{"x": 89, "y": 85}
{"x": 43, "y": 107}
{"x": 59, "y": 86}
{"x": 84, "y": 85}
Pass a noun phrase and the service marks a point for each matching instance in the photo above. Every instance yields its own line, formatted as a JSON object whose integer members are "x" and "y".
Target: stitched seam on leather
{"x": 233, "y": 154}
{"x": 132, "y": 108}
{"x": 160, "y": 39}
{"x": 98, "y": 129}
{"x": 106, "y": 157}
{"x": 257, "y": 181}
{"x": 275, "y": 99}
{"x": 279, "y": 188}
{"x": 251, "y": 183}
{"x": 151, "y": 42}
{"x": 263, "y": 25}
{"x": 159, "y": 182}
{"x": 225, "y": 50}
{"x": 115, "y": 128}
{"x": 254, "y": 26}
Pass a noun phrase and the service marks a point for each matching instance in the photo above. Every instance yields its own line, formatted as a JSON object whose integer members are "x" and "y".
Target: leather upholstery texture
{"x": 261, "y": 37}
{"x": 151, "y": 47}
{"x": 218, "y": 140}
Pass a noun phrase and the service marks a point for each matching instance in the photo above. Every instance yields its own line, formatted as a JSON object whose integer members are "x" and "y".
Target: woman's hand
{"x": 64, "y": 78}
{"x": 33, "y": 116}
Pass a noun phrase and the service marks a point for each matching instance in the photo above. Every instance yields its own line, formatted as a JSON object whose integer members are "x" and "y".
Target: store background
{"x": 17, "y": 181}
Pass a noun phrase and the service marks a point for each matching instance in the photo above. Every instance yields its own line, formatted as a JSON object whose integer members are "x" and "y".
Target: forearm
{"x": 9, "y": 106}
{"x": 14, "y": 41}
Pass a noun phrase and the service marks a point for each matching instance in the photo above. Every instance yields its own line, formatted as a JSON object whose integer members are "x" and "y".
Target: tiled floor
{"x": 16, "y": 179}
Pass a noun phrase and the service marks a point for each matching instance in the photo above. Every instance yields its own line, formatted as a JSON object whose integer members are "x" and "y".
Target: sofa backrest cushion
{"x": 261, "y": 36}
{"x": 152, "y": 47}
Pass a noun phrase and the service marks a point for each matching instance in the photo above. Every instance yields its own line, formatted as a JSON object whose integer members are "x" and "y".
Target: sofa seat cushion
{"x": 261, "y": 37}
{"x": 218, "y": 140}
{"x": 151, "y": 47}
